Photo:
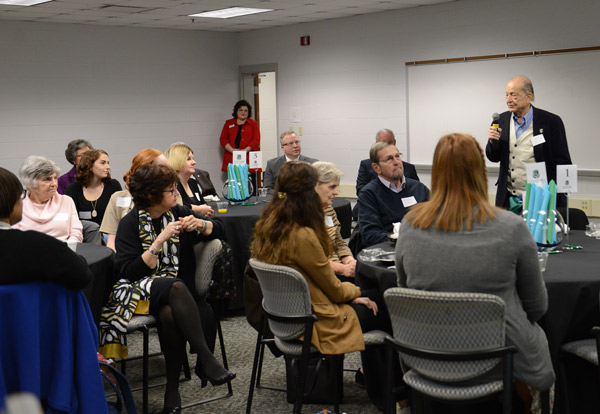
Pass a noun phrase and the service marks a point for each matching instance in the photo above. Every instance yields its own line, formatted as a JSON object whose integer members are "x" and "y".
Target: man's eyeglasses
{"x": 172, "y": 191}
{"x": 291, "y": 143}
{"x": 391, "y": 158}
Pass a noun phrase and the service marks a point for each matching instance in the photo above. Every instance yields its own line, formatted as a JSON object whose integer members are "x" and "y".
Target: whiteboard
{"x": 461, "y": 97}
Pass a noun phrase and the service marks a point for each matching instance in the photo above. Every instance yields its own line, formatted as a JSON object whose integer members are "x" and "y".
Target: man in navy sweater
{"x": 366, "y": 173}
{"x": 387, "y": 199}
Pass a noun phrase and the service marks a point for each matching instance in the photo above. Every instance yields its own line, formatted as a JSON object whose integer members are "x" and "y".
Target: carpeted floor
{"x": 240, "y": 340}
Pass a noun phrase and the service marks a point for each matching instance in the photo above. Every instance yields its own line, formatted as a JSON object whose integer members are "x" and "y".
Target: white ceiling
{"x": 173, "y": 14}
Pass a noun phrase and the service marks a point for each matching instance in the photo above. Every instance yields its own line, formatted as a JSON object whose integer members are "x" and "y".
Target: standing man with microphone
{"x": 524, "y": 135}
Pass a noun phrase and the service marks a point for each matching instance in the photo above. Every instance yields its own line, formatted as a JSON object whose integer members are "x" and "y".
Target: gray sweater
{"x": 498, "y": 257}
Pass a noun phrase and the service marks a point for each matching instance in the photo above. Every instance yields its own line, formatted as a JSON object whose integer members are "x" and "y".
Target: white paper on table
{"x": 239, "y": 157}
{"x": 566, "y": 178}
{"x": 255, "y": 159}
{"x": 536, "y": 173}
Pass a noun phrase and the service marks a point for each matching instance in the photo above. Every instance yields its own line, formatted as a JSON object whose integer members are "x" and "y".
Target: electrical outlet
{"x": 586, "y": 205}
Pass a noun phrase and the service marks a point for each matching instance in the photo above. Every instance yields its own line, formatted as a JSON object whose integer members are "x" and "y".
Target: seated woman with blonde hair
{"x": 181, "y": 159}
{"x": 45, "y": 210}
{"x": 458, "y": 242}
{"x": 341, "y": 260}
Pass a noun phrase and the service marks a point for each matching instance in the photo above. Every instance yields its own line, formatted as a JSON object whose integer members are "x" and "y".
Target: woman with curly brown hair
{"x": 156, "y": 263}
{"x": 94, "y": 186}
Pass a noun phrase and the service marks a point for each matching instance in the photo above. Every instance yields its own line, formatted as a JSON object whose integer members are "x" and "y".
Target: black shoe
{"x": 220, "y": 380}
{"x": 173, "y": 410}
{"x": 359, "y": 378}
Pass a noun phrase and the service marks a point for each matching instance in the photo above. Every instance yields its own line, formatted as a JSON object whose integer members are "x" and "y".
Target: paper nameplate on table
{"x": 255, "y": 159}
{"x": 536, "y": 173}
{"x": 566, "y": 178}
{"x": 239, "y": 157}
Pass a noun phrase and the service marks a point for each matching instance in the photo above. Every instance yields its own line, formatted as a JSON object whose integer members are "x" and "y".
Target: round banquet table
{"x": 238, "y": 224}
{"x": 101, "y": 262}
{"x": 572, "y": 281}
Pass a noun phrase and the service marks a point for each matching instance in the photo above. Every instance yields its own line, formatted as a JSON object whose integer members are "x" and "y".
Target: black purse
{"x": 320, "y": 379}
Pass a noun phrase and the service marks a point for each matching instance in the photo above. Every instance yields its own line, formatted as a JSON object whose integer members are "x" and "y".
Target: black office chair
{"x": 585, "y": 349}
{"x": 577, "y": 218}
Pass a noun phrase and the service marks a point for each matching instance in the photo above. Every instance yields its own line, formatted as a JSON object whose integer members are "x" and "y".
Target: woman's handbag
{"x": 120, "y": 385}
{"x": 320, "y": 379}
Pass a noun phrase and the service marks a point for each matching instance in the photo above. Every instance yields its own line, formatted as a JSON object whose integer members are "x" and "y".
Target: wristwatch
{"x": 152, "y": 251}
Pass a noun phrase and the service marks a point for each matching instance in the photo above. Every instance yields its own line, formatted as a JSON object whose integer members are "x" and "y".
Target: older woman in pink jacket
{"x": 45, "y": 210}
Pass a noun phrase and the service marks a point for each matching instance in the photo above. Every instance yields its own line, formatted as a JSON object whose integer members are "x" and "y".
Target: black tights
{"x": 180, "y": 322}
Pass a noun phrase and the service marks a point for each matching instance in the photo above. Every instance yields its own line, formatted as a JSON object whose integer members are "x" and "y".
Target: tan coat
{"x": 338, "y": 329}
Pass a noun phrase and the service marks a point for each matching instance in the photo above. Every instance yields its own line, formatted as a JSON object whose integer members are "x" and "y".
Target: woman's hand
{"x": 349, "y": 268}
{"x": 368, "y": 303}
{"x": 204, "y": 210}
{"x": 172, "y": 228}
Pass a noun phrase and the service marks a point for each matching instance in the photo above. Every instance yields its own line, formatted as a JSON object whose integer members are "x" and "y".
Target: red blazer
{"x": 250, "y": 138}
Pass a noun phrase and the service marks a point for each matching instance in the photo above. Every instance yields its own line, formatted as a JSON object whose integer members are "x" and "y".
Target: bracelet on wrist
{"x": 153, "y": 251}
{"x": 201, "y": 229}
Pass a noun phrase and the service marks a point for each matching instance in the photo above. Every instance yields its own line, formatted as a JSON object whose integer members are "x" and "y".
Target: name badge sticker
{"x": 537, "y": 140}
{"x": 232, "y": 125}
{"x": 409, "y": 201}
{"x": 61, "y": 217}
{"x": 85, "y": 215}
{"x": 123, "y": 201}
{"x": 328, "y": 221}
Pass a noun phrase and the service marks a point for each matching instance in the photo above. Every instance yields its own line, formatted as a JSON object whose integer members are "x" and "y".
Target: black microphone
{"x": 495, "y": 120}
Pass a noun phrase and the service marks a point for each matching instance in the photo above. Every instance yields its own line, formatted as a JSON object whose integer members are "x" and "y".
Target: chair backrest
{"x": 577, "y": 218}
{"x": 447, "y": 321}
{"x": 285, "y": 293}
{"x": 206, "y": 255}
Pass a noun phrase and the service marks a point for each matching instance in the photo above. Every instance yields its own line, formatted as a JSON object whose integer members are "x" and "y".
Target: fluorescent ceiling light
{"x": 22, "y": 2}
{"x": 230, "y": 12}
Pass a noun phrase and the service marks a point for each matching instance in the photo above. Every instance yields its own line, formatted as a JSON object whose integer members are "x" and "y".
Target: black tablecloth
{"x": 572, "y": 280}
{"x": 101, "y": 262}
{"x": 239, "y": 222}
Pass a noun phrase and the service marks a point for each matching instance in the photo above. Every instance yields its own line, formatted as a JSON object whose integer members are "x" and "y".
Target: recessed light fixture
{"x": 22, "y": 2}
{"x": 230, "y": 12}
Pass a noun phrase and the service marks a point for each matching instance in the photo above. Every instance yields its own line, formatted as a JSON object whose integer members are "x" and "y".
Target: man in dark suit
{"x": 366, "y": 172}
{"x": 525, "y": 135}
{"x": 290, "y": 144}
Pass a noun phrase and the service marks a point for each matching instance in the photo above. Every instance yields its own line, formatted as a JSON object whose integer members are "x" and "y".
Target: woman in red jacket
{"x": 239, "y": 133}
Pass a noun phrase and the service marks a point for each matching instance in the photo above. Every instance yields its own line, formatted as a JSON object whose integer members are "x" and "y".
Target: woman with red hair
{"x": 121, "y": 203}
